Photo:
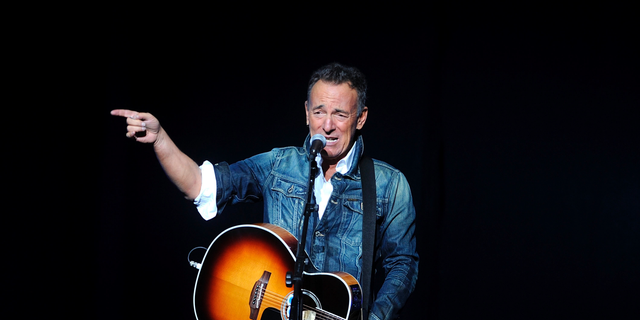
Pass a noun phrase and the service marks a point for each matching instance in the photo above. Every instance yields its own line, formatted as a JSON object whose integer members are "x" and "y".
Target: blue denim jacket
{"x": 334, "y": 243}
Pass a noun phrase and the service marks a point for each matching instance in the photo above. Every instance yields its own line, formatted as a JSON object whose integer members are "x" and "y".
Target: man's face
{"x": 332, "y": 110}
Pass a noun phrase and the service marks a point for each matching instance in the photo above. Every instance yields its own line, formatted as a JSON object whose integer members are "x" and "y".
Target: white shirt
{"x": 206, "y": 199}
{"x": 322, "y": 187}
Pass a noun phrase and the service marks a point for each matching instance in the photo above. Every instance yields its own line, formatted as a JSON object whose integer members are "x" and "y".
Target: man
{"x": 335, "y": 108}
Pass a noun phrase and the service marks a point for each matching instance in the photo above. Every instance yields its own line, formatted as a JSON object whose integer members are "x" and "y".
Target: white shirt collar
{"x": 344, "y": 164}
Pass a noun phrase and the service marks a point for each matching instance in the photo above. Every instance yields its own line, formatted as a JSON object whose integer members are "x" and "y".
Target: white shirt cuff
{"x": 206, "y": 200}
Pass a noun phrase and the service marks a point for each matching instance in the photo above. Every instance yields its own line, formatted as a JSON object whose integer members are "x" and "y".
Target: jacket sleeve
{"x": 242, "y": 181}
{"x": 397, "y": 251}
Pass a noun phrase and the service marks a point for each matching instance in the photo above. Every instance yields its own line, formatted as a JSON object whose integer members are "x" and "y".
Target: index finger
{"x": 124, "y": 113}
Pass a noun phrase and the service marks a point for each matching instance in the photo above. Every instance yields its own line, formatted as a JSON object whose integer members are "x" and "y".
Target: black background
{"x": 517, "y": 128}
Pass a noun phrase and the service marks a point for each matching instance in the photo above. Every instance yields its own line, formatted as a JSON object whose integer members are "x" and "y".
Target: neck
{"x": 329, "y": 169}
{"x": 330, "y": 165}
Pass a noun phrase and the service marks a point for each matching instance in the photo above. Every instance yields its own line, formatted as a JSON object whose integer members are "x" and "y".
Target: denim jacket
{"x": 334, "y": 243}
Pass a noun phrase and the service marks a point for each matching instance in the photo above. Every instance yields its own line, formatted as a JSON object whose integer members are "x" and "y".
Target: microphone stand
{"x": 301, "y": 259}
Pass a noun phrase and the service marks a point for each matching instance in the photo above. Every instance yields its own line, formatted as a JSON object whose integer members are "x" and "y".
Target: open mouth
{"x": 331, "y": 139}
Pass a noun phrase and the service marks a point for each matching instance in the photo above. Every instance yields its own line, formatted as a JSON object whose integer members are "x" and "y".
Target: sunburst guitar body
{"x": 244, "y": 276}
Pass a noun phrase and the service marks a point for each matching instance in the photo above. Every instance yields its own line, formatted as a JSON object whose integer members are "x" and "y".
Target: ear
{"x": 362, "y": 118}
{"x": 306, "y": 111}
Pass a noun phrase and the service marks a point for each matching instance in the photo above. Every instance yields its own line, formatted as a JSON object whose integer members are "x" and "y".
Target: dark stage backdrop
{"x": 516, "y": 128}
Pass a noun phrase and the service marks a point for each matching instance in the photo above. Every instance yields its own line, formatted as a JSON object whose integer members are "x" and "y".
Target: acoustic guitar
{"x": 244, "y": 276}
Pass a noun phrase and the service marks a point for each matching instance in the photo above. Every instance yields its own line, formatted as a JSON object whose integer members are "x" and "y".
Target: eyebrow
{"x": 336, "y": 110}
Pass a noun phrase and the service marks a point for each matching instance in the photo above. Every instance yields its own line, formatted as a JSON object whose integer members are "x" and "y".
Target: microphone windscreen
{"x": 320, "y": 138}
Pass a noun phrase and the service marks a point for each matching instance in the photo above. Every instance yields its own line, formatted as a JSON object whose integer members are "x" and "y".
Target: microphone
{"x": 318, "y": 142}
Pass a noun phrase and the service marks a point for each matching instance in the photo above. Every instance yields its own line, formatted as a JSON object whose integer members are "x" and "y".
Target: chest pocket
{"x": 354, "y": 205}
{"x": 351, "y": 224}
{"x": 357, "y": 206}
{"x": 289, "y": 189}
{"x": 286, "y": 203}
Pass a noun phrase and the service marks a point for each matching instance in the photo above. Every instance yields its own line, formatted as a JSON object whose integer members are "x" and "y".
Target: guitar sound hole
{"x": 309, "y": 300}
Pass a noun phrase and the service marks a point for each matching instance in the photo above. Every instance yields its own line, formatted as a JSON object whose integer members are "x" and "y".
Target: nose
{"x": 328, "y": 126}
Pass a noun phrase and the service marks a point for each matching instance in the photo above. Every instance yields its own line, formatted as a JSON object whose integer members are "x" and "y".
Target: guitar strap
{"x": 368, "y": 229}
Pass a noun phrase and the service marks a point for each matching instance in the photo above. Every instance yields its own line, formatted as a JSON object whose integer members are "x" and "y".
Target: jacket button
{"x": 290, "y": 189}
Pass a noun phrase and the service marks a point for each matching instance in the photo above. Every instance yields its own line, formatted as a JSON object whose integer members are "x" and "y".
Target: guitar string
{"x": 320, "y": 313}
{"x": 273, "y": 299}
{"x": 276, "y": 299}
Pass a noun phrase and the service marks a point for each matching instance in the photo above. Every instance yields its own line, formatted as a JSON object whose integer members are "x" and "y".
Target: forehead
{"x": 333, "y": 95}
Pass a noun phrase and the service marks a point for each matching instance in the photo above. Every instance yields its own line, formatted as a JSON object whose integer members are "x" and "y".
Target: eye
{"x": 342, "y": 116}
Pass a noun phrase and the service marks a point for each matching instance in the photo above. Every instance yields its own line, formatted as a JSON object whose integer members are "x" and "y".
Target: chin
{"x": 330, "y": 156}
{"x": 326, "y": 155}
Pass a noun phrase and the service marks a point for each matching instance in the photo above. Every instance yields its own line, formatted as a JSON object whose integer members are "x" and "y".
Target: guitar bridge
{"x": 257, "y": 293}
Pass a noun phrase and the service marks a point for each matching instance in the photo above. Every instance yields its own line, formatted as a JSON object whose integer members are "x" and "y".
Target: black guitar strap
{"x": 368, "y": 229}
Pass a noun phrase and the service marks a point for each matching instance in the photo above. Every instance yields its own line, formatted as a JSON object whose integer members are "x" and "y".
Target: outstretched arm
{"x": 182, "y": 170}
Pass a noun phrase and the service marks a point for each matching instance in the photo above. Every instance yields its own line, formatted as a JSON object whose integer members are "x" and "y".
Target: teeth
{"x": 332, "y": 139}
